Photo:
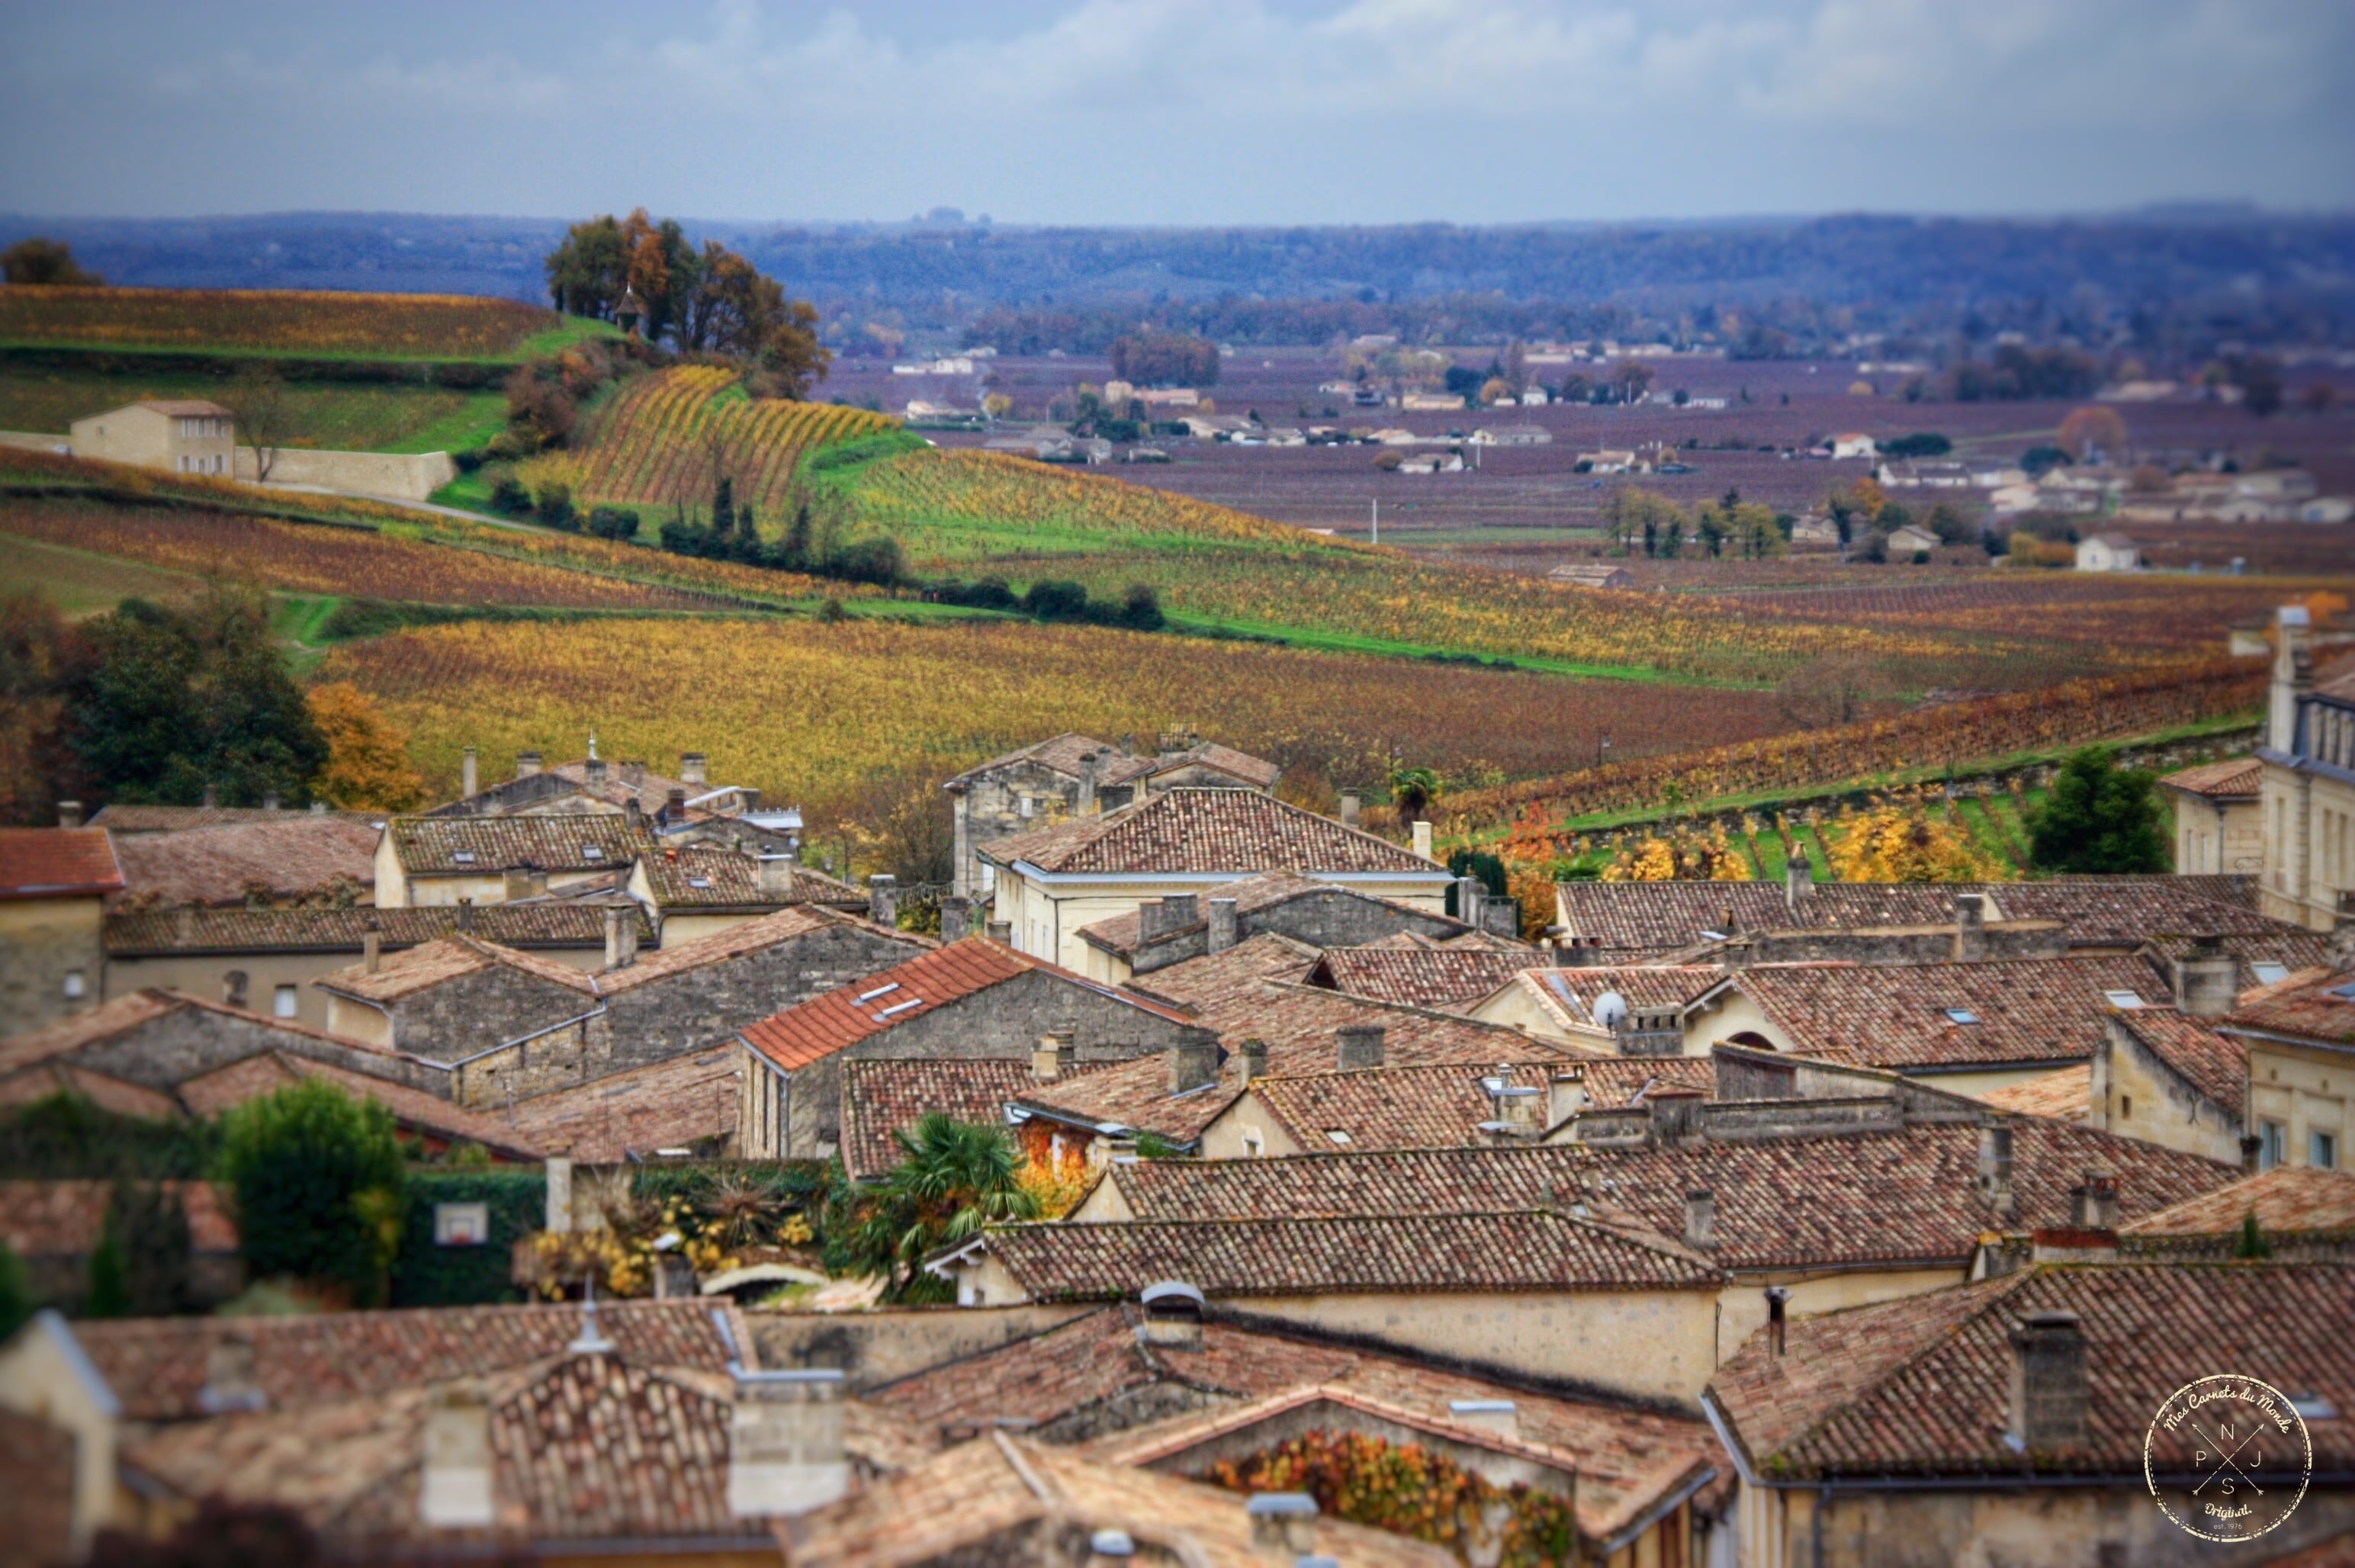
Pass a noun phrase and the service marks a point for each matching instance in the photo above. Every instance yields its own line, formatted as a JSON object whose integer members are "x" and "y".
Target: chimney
{"x": 230, "y": 1381}
{"x": 594, "y": 773}
{"x": 1422, "y": 838}
{"x": 1565, "y": 1095}
{"x": 1361, "y": 1046}
{"x": 1158, "y": 917}
{"x": 1052, "y": 1056}
{"x": 785, "y": 1453}
{"x": 1254, "y": 1052}
{"x": 1090, "y": 766}
{"x": 1498, "y": 1416}
{"x": 469, "y": 772}
{"x": 529, "y": 763}
{"x": 692, "y": 770}
{"x": 1994, "y": 1170}
{"x": 634, "y": 814}
{"x": 1970, "y": 927}
{"x": 957, "y": 918}
{"x": 212, "y": 795}
{"x": 1471, "y": 901}
{"x": 1173, "y": 1316}
{"x": 2098, "y": 1201}
{"x": 1221, "y": 934}
{"x": 1193, "y": 1061}
{"x": 467, "y": 914}
{"x": 1518, "y": 1107}
{"x": 675, "y": 807}
{"x": 233, "y": 989}
{"x": 70, "y": 814}
{"x": 883, "y": 899}
{"x": 556, "y": 1212}
{"x": 1350, "y": 806}
{"x": 773, "y": 876}
{"x": 612, "y": 936}
{"x": 371, "y": 947}
{"x": 454, "y": 1490}
{"x": 2293, "y": 675}
{"x": 633, "y": 774}
{"x": 1282, "y": 1524}
{"x": 2048, "y": 1381}
{"x": 1002, "y": 932}
{"x": 1799, "y": 882}
{"x": 269, "y": 800}
{"x": 2206, "y": 980}
{"x": 1777, "y": 1300}
{"x": 525, "y": 882}
{"x": 319, "y": 809}
{"x": 1700, "y": 1220}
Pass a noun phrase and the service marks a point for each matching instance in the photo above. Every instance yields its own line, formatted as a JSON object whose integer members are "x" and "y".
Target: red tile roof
{"x": 1419, "y": 977}
{"x": 2064, "y": 1095}
{"x": 1062, "y": 754}
{"x": 2215, "y": 1064}
{"x": 864, "y": 1008}
{"x": 38, "y": 1461}
{"x": 710, "y": 876}
{"x": 745, "y": 938}
{"x": 57, "y": 862}
{"x": 112, "y": 1020}
{"x": 291, "y": 855}
{"x": 559, "y": 923}
{"x": 1122, "y": 935}
{"x": 124, "y": 821}
{"x": 38, "y": 1082}
{"x": 882, "y": 1095}
{"x": 1922, "y": 1386}
{"x": 568, "y": 842}
{"x": 2236, "y": 778}
{"x": 2287, "y": 1200}
{"x": 212, "y": 1093}
{"x": 1207, "y": 832}
{"x": 678, "y": 1102}
{"x": 2313, "y": 1004}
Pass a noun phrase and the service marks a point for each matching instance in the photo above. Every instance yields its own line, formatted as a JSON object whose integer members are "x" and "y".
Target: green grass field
{"x": 340, "y": 416}
{"x": 79, "y": 583}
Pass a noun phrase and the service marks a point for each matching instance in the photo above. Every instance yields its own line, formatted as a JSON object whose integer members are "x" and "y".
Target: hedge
{"x": 426, "y": 1276}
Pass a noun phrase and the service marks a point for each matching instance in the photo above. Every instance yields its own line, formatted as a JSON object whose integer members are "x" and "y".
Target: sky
{"x": 1174, "y": 111}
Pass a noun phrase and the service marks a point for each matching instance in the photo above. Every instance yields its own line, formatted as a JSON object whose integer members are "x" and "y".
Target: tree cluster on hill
{"x": 2015, "y": 371}
{"x": 710, "y": 300}
{"x": 1165, "y": 359}
{"x": 1639, "y": 521}
{"x": 37, "y": 262}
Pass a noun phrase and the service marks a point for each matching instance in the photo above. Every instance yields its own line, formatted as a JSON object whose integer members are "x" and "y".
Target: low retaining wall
{"x": 29, "y": 441}
{"x": 393, "y": 475}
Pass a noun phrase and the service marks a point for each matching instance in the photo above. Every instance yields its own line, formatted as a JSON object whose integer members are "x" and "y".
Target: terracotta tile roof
{"x": 1255, "y": 771}
{"x": 112, "y": 1020}
{"x": 555, "y": 923}
{"x": 2064, "y": 1095}
{"x": 2236, "y": 778}
{"x": 864, "y": 1008}
{"x": 38, "y": 1082}
{"x": 881, "y": 1095}
{"x": 1444, "y": 1106}
{"x": 38, "y": 1461}
{"x": 2215, "y": 1064}
{"x": 710, "y": 876}
{"x": 744, "y": 939}
{"x": 1062, "y": 754}
{"x": 1533, "y": 1249}
{"x": 54, "y": 862}
{"x": 157, "y": 1366}
{"x": 2288, "y": 949}
{"x": 2287, "y": 1200}
{"x": 1921, "y": 1387}
{"x": 437, "y": 963}
{"x": 2096, "y": 911}
{"x": 210, "y": 1094}
{"x": 2030, "y": 1010}
{"x": 1419, "y": 977}
{"x": 65, "y": 1219}
{"x": 293, "y": 855}
{"x": 2313, "y": 1004}
{"x": 1850, "y": 1198}
{"x": 677, "y": 1103}
{"x": 1207, "y": 831}
{"x": 1567, "y": 995}
{"x": 192, "y": 408}
{"x": 1626, "y": 1458}
{"x": 1124, "y": 934}
{"x": 1243, "y": 975}
{"x": 982, "y": 1500}
{"x": 569, "y": 841}
{"x": 125, "y": 820}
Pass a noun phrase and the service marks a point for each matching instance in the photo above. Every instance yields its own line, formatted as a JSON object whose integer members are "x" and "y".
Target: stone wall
{"x": 398, "y": 476}
{"x": 44, "y": 942}
{"x": 872, "y": 1349}
{"x": 698, "y": 1008}
{"x": 472, "y": 1013}
{"x": 1332, "y": 917}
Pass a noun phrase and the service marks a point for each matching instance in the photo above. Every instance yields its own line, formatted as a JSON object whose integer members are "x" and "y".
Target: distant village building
{"x": 1924, "y": 477}
{"x": 2219, "y": 824}
{"x": 1608, "y": 461}
{"x": 180, "y": 435}
{"x": 1912, "y": 539}
{"x": 1431, "y": 403}
{"x": 2108, "y": 552}
{"x": 54, "y": 882}
{"x": 1511, "y": 435}
{"x": 1853, "y": 444}
{"x": 1601, "y": 574}
{"x": 1815, "y": 530}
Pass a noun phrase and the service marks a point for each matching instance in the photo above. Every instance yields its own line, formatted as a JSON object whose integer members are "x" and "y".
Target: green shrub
{"x": 148, "y": 1224}
{"x": 613, "y": 523}
{"x": 554, "y": 505}
{"x": 424, "y": 1274}
{"x": 509, "y": 498}
{"x": 317, "y": 1179}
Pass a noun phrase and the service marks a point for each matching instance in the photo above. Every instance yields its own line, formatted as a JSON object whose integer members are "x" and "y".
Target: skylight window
{"x": 2123, "y": 998}
{"x": 899, "y": 1007}
{"x": 2313, "y": 1407}
{"x": 2269, "y": 973}
{"x": 463, "y": 857}
{"x": 591, "y": 852}
{"x": 698, "y": 881}
{"x": 1338, "y": 1136}
{"x": 1961, "y": 1016}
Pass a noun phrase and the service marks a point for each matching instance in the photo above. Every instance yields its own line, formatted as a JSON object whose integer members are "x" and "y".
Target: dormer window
{"x": 2269, "y": 973}
{"x": 1961, "y": 1016}
{"x": 462, "y": 857}
{"x": 2128, "y": 999}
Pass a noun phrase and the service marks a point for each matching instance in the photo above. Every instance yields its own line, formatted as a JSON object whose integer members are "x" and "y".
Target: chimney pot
{"x": 1995, "y": 1170}
{"x": 612, "y": 937}
{"x": 1700, "y": 1220}
{"x": 1254, "y": 1055}
{"x": 1002, "y": 931}
{"x": 1361, "y": 1046}
{"x": 635, "y": 815}
{"x": 786, "y": 1452}
{"x": 1054, "y": 1056}
{"x": 530, "y": 763}
{"x": 70, "y": 814}
{"x": 1471, "y": 901}
{"x": 1090, "y": 766}
{"x": 883, "y": 899}
{"x": 1351, "y": 806}
{"x": 675, "y": 807}
{"x": 371, "y": 947}
{"x": 2207, "y": 980}
{"x": 1422, "y": 838}
{"x": 1565, "y": 1095}
{"x": 1798, "y": 880}
{"x": 774, "y": 877}
{"x": 2048, "y": 1380}
{"x": 455, "y": 1489}
{"x": 1222, "y": 925}
{"x": 1193, "y": 1061}
{"x": 957, "y": 918}
{"x": 594, "y": 771}
{"x": 2098, "y": 1201}
{"x": 693, "y": 770}
{"x": 469, "y": 773}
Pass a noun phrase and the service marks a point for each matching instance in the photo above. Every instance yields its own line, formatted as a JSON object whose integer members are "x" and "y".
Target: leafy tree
{"x": 509, "y": 498}
{"x": 1412, "y": 789}
{"x": 2091, "y": 433}
{"x": 2038, "y": 461}
{"x": 1920, "y": 443}
{"x": 1052, "y": 599}
{"x": 1140, "y": 608}
{"x": 257, "y": 399}
{"x": 175, "y": 700}
{"x": 2100, "y": 818}
{"x": 794, "y": 552}
{"x": 1951, "y": 524}
{"x": 317, "y": 1179}
{"x": 42, "y": 657}
{"x": 613, "y": 523}
{"x": 368, "y": 758}
{"x": 1154, "y": 359}
{"x": 37, "y": 262}
{"x": 952, "y": 1178}
{"x": 1893, "y": 845}
{"x": 554, "y": 507}
{"x": 1629, "y": 377}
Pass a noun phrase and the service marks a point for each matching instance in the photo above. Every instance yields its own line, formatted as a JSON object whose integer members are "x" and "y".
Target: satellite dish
{"x": 1609, "y": 1008}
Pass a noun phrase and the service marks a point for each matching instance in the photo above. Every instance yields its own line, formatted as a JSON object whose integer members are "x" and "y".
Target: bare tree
{"x": 257, "y": 399}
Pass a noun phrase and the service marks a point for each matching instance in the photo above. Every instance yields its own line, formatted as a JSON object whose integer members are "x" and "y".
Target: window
{"x": 77, "y": 985}
{"x": 1961, "y": 1016}
{"x": 461, "y": 1225}
{"x": 283, "y": 1002}
{"x": 591, "y": 852}
{"x": 2123, "y": 998}
{"x": 2322, "y": 1150}
{"x": 2126, "y": 1107}
{"x": 2268, "y": 974}
{"x": 1338, "y": 1136}
{"x": 2273, "y": 1140}
{"x": 462, "y": 857}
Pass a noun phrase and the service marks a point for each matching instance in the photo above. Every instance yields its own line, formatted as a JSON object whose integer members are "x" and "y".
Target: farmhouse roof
{"x": 1444, "y": 1106}
{"x": 293, "y": 855}
{"x": 866, "y": 1007}
{"x": 2236, "y": 778}
{"x": 57, "y": 862}
{"x": 676, "y": 1102}
{"x": 710, "y": 876}
{"x": 1923, "y": 1386}
{"x": 485, "y": 846}
{"x": 27, "y": 1086}
{"x": 2286, "y": 950}
{"x": 1875, "y": 1197}
{"x": 1417, "y": 976}
{"x": 1209, "y": 831}
{"x": 2313, "y": 1004}
{"x": 2217, "y": 1065}
{"x": 2287, "y": 1201}
{"x": 881, "y": 1095}
{"x": 745, "y": 938}
{"x": 1530, "y": 1250}
{"x": 555, "y": 923}
{"x": 437, "y": 963}
{"x": 2065, "y": 1094}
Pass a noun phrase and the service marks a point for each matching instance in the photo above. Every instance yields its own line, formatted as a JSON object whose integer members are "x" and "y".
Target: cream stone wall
{"x": 2218, "y": 837}
{"x": 2310, "y": 834}
{"x": 396, "y": 477}
{"x": 1730, "y": 1014}
{"x": 38, "y": 1378}
{"x": 1742, "y": 1304}
{"x": 2302, "y": 1091}
{"x": 2136, "y": 1095}
{"x": 152, "y": 439}
{"x": 679, "y": 928}
{"x": 1247, "y": 1130}
{"x": 45, "y": 943}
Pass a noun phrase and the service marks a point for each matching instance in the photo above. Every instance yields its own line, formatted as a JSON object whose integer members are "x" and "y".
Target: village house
{"x": 2301, "y": 1038}
{"x": 1600, "y": 574}
{"x": 1634, "y": 1011}
{"x": 697, "y": 891}
{"x": 1074, "y": 775}
{"x": 1054, "y": 881}
{"x": 2108, "y": 552}
{"x": 1608, "y": 461}
{"x": 1910, "y": 540}
{"x": 971, "y": 999}
{"x": 593, "y": 785}
{"x": 2304, "y": 1215}
{"x": 2308, "y": 791}
{"x": 2169, "y": 1078}
{"x": 2219, "y": 817}
{"x": 54, "y": 883}
{"x": 1512, "y": 435}
{"x": 1923, "y": 476}
{"x": 1852, "y": 443}
{"x": 882, "y": 1096}
{"x": 1171, "y": 930}
{"x": 180, "y": 435}
{"x": 2033, "y": 1447}
{"x": 423, "y": 860}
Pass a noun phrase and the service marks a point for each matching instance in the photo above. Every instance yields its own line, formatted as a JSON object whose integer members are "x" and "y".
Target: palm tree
{"x": 1411, "y": 791}
{"x": 953, "y": 1179}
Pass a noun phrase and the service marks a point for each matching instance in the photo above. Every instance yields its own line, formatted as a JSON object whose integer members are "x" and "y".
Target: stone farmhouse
{"x": 2219, "y": 817}
{"x": 54, "y": 883}
{"x": 2308, "y": 791}
{"x": 180, "y": 435}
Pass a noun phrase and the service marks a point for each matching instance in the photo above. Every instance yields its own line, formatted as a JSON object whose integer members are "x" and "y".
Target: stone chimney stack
{"x": 1994, "y": 1170}
{"x": 675, "y": 807}
{"x": 1799, "y": 882}
{"x": 594, "y": 773}
{"x": 1222, "y": 931}
{"x": 70, "y": 814}
{"x": 957, "y": 918}
{"x": 785, "y": 1451}
{"x": 1283, "y": 1525}
{"x": 2293, "y": 675}
{"x": 614, "y": 920}
{"x": 467, "y": 916}
{"x": 1001, "y": 931}
{"x": 634, "y": 814}
{"x": 1970, "y": 927}
{"x": 229, "y": 1381}
{"x": 776, "y": 876}
{"x": 1255, "y": 1058}
{"x": 455, "y": 1489}
{"x": 1422, "y": 838}
{"x": 1471, "y": 901}
{"x": 269, "y": 800}
{"x": 1193, "y": 1061}
{"x": 2206, "y": 980}
{"x": 1090, "y": 765}
{"x": 1350, "y": 806}
{"x": 1779, "y": 1301}
{"x": 2098, "y": 1201}
{"x": 693, "y": 770}
{"x": 883, "y": 899}
{"x": 2048, "y": 1380}
{"x": 469, "y": 773}
{"x": 1565, "y": 1095}
{"x": 233, "y": 986}
{"x": 1052, "y": 1057}
{"x": 371, "y": 947}
{"x": 1360, "y": 1045}
{"x": 528, "y": 765}
{"x": 1700, "y": 1220}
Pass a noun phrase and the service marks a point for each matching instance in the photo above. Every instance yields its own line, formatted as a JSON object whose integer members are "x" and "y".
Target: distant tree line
{"x": 1165, "y": 359}
{"x": 37, "y": 263}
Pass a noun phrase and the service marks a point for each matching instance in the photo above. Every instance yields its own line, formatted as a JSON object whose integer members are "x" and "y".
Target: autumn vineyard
{"x": 444, "y": 327}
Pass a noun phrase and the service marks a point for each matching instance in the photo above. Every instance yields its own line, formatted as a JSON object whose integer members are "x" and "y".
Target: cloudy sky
{"x": 1176, "y": 112}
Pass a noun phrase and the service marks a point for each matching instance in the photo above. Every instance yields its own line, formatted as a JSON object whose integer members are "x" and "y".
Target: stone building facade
{"x": 53, "y": 886}
{"x": 2309, "y": 792}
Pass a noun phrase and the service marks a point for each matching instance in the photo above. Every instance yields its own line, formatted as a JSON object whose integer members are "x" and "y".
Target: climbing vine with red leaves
{"x": 1406, "y": 1488}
